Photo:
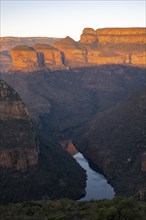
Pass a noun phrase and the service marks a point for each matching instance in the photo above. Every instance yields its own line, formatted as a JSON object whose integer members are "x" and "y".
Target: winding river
{"x": 97, "y": 186}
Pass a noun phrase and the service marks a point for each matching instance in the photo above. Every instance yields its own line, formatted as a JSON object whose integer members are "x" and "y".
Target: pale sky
{"x": 68, "y": 18}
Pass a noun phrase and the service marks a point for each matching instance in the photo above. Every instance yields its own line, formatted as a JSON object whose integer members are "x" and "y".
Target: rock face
{"x": 35, "y": 58}
{"x": 18, "y": 147}
{"x": 105, "y": 46}
{"x": 101, "y": 46}
{"x": 73, "y": 53}
{"x": 8, "y": 43}
{"x": 116, "y": 141}
{"x": 25, "y": 58}
{"x": 29, "y": 168}
{"x": 114, "y": 35}
{"x": 88, "y": 36}
{"x": 50, "y": 55}
{"x": 115, "y": 45}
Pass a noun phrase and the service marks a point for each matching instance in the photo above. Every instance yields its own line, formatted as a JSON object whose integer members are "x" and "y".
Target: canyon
{"x": 115, "y": 141}
{"x": 29, "y": 165}
{"x": 87, "y": 93}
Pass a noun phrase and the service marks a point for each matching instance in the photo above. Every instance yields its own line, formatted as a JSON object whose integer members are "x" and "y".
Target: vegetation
{"x": 23, "y": 47}
{"x": 44, "y": 47}
{"x": 119, "y": 208}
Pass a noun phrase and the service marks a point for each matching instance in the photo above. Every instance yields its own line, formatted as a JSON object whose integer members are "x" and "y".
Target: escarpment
{"x": 101, "y": 46}
{"x": 105, "y": 46}
{"x": 18, "y": 146}
{"x": 73, "y": 53}
{"x": 32, "y": 167}
{"x": 25, "y": 58}
{"x": 50, "y": 56}
{"x": 38, "y": 57}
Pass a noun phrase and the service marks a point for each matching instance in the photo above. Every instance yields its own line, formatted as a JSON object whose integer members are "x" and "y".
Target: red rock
{"x": 52, "y": 56}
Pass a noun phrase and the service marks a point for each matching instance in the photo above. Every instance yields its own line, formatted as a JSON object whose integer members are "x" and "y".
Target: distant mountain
{"x": 95, "y": 47}
{"x": 115, "y": 140}
{"x": 7, "y": 43}
{"x": 32, "y": 167}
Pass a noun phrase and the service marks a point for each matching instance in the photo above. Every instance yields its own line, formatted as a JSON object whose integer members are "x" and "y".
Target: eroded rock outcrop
{"x": 25, "y": 58}
{"x": 115, "y": 45}
{"x": 101, "y": 46}
{"x": 18, "y": 146}
{"x": 73, "y": 53}
{"x": 51, "y": 57}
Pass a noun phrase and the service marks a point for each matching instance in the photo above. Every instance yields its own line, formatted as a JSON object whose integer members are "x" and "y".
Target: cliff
{"x": 114, "y": 35}
{"x": 18, "y": 147}
{"x": 51, "y": 56}
{"x": 115, "y": 141}
{"x": 25, "y": 58}
{"x": 105, "y": 46}
{"x": 101, "y": 46}
{"x": 32, "y": 168}
{"x": 73, "y": 53}
{"x": 8, "y": 43}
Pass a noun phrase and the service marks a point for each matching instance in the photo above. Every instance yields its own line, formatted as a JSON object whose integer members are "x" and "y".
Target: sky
{"x": 67, "y": 18}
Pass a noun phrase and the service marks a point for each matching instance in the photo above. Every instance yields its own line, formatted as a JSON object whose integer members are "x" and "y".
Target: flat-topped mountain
{"x": 25, "y": 58}
{"x": 101, "y": 46}
{"x": 114, "y": 35}
{"x": 115, "y": 140}
{"x": 7, "y": 43}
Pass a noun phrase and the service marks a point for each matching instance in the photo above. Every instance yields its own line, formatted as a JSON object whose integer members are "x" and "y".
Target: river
{"x": 97, "y": 186}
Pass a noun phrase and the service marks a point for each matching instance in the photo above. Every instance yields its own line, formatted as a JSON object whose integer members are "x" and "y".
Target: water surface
{"x": 97, "y": 186}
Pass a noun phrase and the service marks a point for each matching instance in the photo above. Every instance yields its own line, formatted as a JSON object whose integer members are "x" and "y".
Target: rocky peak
{"x": 67, "y": 42}
{"x": 18, "y": 146}
{"x": 88, "y": 36}
{"x": 89, "y": 31}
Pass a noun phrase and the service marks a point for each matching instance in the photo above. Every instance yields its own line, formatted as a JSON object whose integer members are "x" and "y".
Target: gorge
{"x": 86, "y": 91}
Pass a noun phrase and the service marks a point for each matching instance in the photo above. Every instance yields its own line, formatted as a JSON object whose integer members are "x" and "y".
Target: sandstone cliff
{"x": 8, "y": 43}
{"x": 50, "y": 56}
{"x": 73, "y": 53}
{"x": 18, "y": 147}
{"x": 115, "y": 45}
{"x": 101, "y": 46}
{"x": 25, "y": 58}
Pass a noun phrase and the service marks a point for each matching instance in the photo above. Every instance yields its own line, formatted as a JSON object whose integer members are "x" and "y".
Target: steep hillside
{"x": 18, "y": 147}
{"x": 30, "y": 167}
{"x": 59, "y": 101}
{"x": 115, "y": 140}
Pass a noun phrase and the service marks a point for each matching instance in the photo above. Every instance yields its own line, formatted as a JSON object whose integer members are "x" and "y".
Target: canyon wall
{"x": 18, "y": 146}
{"x": 101, "y": 46}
